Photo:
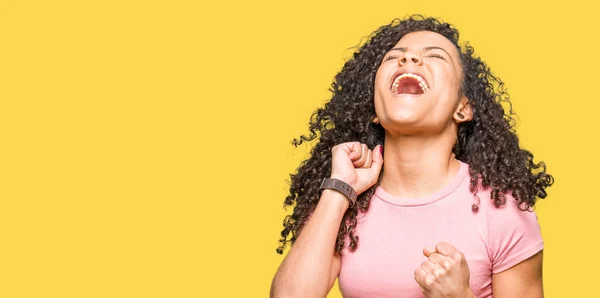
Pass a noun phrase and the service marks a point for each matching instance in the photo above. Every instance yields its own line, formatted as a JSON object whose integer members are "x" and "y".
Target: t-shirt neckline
{"x": 460, "y": 175}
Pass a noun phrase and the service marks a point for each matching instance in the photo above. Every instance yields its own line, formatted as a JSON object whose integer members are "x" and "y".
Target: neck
{"x": 417, "y": 166}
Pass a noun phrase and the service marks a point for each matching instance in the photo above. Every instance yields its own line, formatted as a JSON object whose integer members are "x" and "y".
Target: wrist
{"x": 346, "y": 180}
{"x": 335, "y": 200}
{"x": 341, "y": 187}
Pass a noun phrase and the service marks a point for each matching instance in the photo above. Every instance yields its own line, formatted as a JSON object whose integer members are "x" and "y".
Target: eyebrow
{"x": 403, "y": 50}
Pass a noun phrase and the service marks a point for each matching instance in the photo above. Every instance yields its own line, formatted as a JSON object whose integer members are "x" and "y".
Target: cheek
{"x": 457, "y": 77}
{"x": 449, "y": 82}
{"x": 378, "y": 92}
{"x": 379, "y": 85}
{"x": 379, "y": 78}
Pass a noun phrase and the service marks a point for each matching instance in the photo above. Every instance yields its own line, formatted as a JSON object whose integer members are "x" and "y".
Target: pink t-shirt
{"x": 395, "y": 230}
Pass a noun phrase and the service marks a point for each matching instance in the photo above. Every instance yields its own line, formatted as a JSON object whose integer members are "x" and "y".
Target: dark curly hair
{"x": 487, "y": 143}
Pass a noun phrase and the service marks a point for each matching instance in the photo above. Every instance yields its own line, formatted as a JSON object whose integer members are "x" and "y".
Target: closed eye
{"x": 436, "y": 56}
{"x": 429, "y": 56}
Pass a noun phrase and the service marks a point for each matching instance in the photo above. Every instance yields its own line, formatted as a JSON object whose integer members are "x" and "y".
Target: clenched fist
{"x": 445, "y": 273}
{"x": 357, "y": 165}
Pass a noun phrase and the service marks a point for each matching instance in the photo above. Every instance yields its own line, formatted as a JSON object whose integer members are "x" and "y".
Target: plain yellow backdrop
{"x": 145, "y": 145}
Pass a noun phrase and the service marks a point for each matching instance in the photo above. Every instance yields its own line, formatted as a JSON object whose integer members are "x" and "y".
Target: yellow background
{"x": 145, "y": 145}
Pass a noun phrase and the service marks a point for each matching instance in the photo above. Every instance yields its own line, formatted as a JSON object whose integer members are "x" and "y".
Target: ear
{"x": 464, "y": 111}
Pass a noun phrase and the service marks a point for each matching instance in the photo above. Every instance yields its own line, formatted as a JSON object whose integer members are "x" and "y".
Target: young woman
{"x": 447, "y": 212}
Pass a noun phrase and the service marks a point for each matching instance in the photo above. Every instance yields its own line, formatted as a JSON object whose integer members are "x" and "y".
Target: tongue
{"x": 409, "y": 86}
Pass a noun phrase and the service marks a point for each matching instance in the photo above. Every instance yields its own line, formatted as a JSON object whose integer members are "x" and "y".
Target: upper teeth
{"x": 422, "y": 82}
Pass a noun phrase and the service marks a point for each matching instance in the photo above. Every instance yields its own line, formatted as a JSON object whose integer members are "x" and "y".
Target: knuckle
{"x": 458, "y": 256}
{"x": 446, "y": 265}
{"x": 444, "y": 246}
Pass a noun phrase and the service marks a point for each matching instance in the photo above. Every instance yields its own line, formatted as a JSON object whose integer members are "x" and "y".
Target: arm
{"x": 515, "y": 248}
{"x": 521, "y": 280}
{"x": 311, "y": 266}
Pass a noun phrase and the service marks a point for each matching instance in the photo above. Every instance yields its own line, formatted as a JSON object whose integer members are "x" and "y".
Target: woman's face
{"x": 417, "y": 84}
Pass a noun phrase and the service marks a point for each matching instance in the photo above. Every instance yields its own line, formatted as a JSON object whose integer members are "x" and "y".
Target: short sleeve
{"x": 513, "y": 235}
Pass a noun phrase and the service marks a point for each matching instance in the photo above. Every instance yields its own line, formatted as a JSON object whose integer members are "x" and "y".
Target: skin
{"x": 445, "y": 273}
{"x": 420, "y": 130}
{"x": 420, "y": 133}
{"x": 310, "y": 268}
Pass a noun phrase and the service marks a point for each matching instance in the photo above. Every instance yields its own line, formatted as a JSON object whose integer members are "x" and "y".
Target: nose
{"x": 410, "y": 57}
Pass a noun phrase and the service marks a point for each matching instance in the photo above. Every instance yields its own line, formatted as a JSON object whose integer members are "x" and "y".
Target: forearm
{"x": 306, "y": 270}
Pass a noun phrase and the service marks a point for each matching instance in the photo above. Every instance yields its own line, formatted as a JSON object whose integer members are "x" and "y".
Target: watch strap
{"x": 340, "y": 186}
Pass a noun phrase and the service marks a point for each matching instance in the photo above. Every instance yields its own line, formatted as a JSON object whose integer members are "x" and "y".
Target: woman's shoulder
{"x": 513, "y": 230}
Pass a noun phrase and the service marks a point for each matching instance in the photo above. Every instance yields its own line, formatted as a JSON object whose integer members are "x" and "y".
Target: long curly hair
{"x": 488, "y": 143}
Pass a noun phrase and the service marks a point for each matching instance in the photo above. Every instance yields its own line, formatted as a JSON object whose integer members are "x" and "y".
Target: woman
{"x": 447, "y": 212}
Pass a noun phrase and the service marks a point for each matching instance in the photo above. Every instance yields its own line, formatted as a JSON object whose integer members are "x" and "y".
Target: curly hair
{"x": 488, "y": 143}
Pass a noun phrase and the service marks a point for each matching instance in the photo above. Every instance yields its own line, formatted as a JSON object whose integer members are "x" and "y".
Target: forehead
{"x": 421, "y": 39}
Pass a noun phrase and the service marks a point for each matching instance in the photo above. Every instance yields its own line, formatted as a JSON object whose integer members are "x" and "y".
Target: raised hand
{"x": 357, "y": 165}
{"x": 445, "y": 273}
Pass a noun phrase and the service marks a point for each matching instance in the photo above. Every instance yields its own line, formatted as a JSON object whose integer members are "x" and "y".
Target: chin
{"x": 407, "y": 112}
{"x": 403, "y": 123}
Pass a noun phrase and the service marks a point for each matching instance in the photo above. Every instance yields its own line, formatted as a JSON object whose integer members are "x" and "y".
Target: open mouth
{"x": 409, "y": 83}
